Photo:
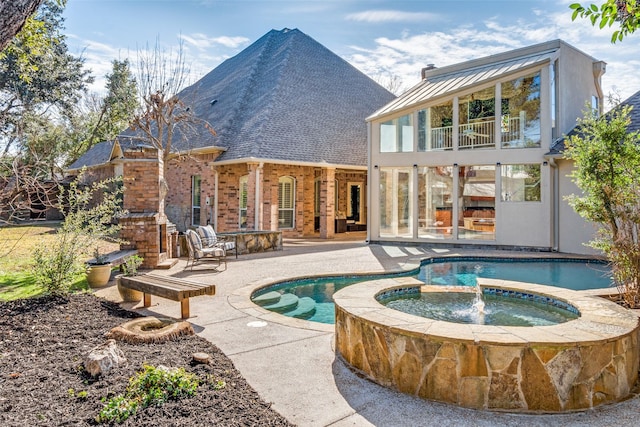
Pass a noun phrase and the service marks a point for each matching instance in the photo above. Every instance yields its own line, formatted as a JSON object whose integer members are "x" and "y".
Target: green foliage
{"x": 153, "y": 386}
{"x": 624, "y": 12}
{"x": 88, "y": 221}
{"x": 131, "y": 265}
{"x": 38, "y": 77}
{"x": 607, "y": 170}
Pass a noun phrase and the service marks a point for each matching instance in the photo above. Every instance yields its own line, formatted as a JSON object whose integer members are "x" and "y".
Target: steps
{"x": 288, "y": 304}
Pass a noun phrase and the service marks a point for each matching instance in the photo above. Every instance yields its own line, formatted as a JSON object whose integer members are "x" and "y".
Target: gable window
{"x": 521, "y": 183}
{"x": 242, "y": 203}
{"x": 396, "y": 136}
{"x": 196, "y": 186}
{"x": 435, "y": 127}
{"x": 520, "y": 120}
{"x": 286, "y": 202}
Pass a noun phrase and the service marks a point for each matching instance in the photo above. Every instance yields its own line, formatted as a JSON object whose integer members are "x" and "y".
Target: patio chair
{"x": 199, "y": 253}
{"x": 210, "y": 239}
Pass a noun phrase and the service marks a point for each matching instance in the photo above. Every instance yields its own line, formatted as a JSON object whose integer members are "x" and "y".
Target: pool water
{"x": 570, "y": 274}
{"x": 459, "y": 307}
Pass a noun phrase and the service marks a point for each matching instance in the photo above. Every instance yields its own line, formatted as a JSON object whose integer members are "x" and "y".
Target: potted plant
{"x": 129, "y": 268}
{"x": 99, "y": 271}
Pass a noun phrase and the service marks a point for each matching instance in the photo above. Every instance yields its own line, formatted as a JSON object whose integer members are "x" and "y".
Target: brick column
{"x": 145, "y": 228}
{"x": 327, "y": 202}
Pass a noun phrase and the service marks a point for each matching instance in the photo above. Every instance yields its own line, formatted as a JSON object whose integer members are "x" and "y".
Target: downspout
{"x": 555, "y": 202}
{"x": 369, "y": 181}
{"x": 214, "y": 208}
{"x": 258, "y": 207}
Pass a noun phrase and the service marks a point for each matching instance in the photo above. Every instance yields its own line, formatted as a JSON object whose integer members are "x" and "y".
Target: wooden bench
{"x": 167, "y": 287}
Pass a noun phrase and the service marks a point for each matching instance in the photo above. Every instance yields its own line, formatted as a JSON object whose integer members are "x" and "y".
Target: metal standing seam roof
{"x": 440, "y": 85}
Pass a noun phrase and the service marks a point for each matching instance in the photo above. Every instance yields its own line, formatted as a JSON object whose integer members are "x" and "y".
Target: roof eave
{"x": 322, "y": 164}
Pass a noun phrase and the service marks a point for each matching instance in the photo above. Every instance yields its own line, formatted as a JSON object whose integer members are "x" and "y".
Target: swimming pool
{"x": 312, "y": 299}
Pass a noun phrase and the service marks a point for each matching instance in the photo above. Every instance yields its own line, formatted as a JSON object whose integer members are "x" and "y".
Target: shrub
{"x": 86, "y": 222}
{"x": 131, "y": 265}
{"x": 153, "y": 386}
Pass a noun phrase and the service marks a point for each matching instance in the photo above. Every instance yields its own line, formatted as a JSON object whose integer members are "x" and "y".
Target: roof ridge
{"x": 255, "y": 70}
{"x": 288, "y": 48}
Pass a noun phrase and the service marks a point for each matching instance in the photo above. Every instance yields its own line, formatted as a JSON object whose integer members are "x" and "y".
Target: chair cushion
{"x": 207, "y": 235}
{"x": 194, "y": 239}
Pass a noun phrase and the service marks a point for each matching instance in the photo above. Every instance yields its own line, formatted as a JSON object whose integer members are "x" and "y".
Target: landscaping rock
{"x": 103, "y": 358}
{"x": 203, "y": 358}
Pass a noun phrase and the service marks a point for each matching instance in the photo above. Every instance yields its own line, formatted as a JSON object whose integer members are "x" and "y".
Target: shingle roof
{"x": 285, "y": 97}
{"x": 438, "y": 82}
{"x": 97, "y": 155}
{"x": 557, "y": 148}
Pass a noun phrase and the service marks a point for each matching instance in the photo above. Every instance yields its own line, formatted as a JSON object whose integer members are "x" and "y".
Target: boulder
{"x": 103, "y": 358}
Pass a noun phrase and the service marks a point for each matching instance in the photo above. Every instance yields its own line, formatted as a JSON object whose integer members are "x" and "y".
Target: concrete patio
{"x": 292, "y": 363}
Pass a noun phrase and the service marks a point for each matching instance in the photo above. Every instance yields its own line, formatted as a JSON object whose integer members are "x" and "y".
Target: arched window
{"x": 286, "y": 202}
{"x": 242, "y": 202}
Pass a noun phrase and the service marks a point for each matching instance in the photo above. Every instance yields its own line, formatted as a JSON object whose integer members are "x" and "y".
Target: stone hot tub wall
{"x": 575, "y": 365}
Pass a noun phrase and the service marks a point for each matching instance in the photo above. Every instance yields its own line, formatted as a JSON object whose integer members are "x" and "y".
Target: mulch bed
{"x": 43, "y": 342}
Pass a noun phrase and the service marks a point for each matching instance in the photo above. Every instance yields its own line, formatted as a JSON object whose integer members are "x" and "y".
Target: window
{"x": 435, "y": 128}
{"x": 242, "y": 203}
{"x": 520, "y": 183}
{"x": 396, "y": 201}
{"x": 520, "y": 120}
{"x": 477, "y": 203}
{"x": 435, "y": 202}
{"x": 196, "y": 187}
{"x": 286, "y": 202}
{"x": 396, "y": 136}
{"x": 477, "y": 115}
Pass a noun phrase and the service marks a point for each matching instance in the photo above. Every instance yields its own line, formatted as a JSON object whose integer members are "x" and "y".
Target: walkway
{"x": 292, "y": 363}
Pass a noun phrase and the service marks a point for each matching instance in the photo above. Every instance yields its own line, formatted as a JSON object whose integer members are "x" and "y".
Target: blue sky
{"x": 380, "y": 38}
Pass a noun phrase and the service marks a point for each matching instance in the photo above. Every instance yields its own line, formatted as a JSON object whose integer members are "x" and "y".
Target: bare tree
{"x": 390, "y": 82}
{"x": 13, "y": 15}
{"x": 164, "y": 116}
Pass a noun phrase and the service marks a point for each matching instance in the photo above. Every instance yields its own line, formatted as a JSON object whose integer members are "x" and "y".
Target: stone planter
{"x": 127, "y": 295}
{"x": 98, "y": 275}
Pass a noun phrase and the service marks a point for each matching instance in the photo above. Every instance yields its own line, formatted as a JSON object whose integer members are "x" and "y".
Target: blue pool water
{"x": 570, "y": 274}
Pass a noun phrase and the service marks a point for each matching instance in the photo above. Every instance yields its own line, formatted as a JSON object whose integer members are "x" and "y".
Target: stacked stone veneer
{"x": 576, "y": 365}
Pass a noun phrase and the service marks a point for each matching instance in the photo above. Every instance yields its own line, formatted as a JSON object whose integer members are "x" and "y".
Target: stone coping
{"x": 600, "y": 320}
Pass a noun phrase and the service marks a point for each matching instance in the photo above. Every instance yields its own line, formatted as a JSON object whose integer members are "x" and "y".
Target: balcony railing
{"x": 477, "y": 135}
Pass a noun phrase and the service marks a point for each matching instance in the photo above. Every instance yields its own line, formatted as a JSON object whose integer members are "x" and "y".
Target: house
{"x": 466, "y": 156}
{"x": 290, "y": 149}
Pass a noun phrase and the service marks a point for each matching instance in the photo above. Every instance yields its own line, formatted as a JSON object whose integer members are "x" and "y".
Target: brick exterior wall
{"x": 178, "y": 201}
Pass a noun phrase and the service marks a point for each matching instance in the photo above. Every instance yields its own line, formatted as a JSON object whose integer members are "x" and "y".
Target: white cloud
{"x": 390, "y": 16}
{"x": 202, "y": 41}
{"x": 407, "y": 54}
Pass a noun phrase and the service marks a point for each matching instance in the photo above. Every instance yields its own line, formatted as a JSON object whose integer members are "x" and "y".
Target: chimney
{"x": 423, "y": 73}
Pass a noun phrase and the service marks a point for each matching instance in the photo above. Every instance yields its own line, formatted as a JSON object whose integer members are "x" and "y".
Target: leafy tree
{"x": 40, "y": 86}
{"x": 607, "y": 170}
{"x": 13, "y": 15}
{"x": 626, "y": 13}
{"x": 102, "y": 119}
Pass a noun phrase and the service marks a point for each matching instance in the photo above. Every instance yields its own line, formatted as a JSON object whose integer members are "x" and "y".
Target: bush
{"x": 153, "y": 386}
{"x": 86, "y": 223}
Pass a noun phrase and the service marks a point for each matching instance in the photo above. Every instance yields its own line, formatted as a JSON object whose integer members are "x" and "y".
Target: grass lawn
{"x": 16, "y": 247}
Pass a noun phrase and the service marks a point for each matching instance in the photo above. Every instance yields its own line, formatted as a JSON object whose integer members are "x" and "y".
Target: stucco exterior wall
{"x": 520, "y": 224}
{"x": 574, "y": 231}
